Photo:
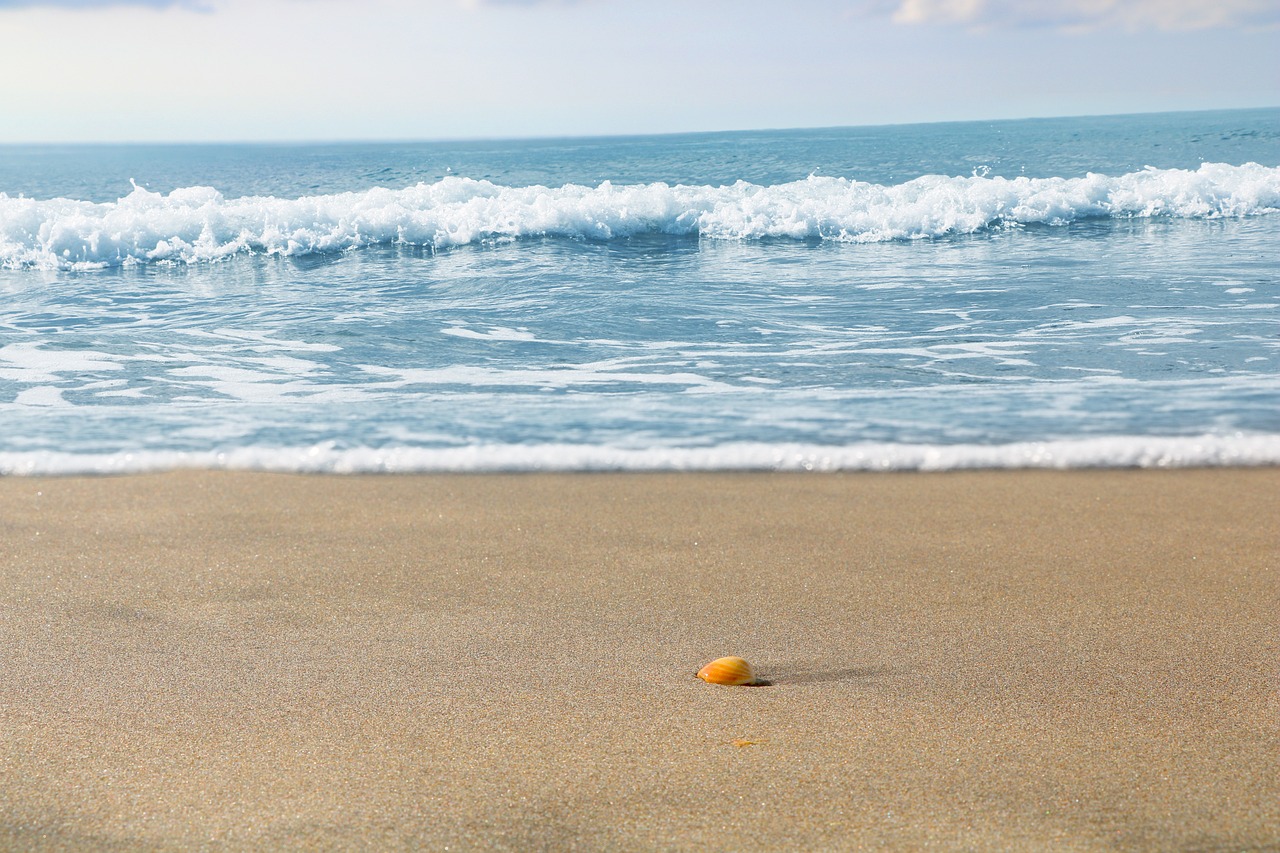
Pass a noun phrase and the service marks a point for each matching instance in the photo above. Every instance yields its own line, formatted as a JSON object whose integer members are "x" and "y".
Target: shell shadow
{"x": 759, "y": 682}
{"x": 824, "y": 676}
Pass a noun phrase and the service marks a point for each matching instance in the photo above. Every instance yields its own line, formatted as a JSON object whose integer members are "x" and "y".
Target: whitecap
{"x": 198, "y": 224}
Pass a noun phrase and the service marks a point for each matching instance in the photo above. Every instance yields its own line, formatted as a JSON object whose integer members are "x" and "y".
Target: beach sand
{"x": 977, "y": 660}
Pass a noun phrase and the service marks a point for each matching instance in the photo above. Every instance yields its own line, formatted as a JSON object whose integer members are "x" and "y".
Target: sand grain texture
{"x": 1082, "y": 660}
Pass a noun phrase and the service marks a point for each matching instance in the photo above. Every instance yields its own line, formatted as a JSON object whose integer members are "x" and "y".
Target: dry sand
{"x": 1029, "y": 660}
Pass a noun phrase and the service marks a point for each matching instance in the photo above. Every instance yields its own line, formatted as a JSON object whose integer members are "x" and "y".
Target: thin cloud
{"x": 102, "y": 4}
{"x": 522, "y": 4}
{"x": 475, "y": 4}
{"x": 1084, "y": 15}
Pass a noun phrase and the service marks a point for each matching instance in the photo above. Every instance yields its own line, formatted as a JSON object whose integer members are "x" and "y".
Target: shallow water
{"x": 1007, "y": 308}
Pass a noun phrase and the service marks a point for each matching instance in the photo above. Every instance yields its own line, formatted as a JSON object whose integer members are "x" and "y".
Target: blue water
{"x": 1065, "y": 292}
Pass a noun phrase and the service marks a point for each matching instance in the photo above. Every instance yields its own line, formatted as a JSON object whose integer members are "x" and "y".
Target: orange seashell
{"x": 730, "y": 670}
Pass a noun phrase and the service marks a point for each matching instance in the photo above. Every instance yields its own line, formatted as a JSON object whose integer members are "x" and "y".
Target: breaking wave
{"x": 197, "y": 224}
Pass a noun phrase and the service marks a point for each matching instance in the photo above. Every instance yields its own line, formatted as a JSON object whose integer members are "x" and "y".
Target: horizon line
{"x": 411, "y": 140}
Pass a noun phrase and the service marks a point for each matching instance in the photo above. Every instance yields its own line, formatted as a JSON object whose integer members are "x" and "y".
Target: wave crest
{"x": 197, "y": 224}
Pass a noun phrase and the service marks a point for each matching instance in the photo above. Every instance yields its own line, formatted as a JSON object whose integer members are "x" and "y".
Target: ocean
{"x": 1074, "y": 292}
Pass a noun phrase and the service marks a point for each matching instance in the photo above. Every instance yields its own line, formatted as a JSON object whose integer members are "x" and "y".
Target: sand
{"x": 997, "y": 660}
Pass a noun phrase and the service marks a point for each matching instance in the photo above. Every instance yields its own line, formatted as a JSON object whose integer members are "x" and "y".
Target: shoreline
{"x": 1083, "y": 659}
{"x": 1098, "y": 453}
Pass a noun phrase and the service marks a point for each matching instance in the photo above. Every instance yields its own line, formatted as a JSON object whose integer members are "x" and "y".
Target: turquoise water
{"x": 1063, "y": 292}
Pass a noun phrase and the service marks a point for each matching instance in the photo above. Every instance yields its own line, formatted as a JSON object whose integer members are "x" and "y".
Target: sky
{"x": 285, "y": 70}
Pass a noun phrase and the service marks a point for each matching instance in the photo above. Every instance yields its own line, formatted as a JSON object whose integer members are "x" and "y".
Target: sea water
{"x": 1055, "y": 292}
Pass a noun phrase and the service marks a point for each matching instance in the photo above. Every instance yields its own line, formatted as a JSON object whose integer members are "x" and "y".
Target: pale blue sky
{"x": 98, "y": 70}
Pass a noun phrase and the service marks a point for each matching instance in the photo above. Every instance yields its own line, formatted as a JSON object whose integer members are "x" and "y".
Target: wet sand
{"x": 996, "y": 660}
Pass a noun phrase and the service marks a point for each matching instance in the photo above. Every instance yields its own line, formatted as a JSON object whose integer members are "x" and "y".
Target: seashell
{"x": 730, "y": 670}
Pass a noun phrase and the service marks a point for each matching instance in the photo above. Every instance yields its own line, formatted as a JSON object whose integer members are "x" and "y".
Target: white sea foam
{"x": 198, "y": 224}
{"x": 1109, "y": 452}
